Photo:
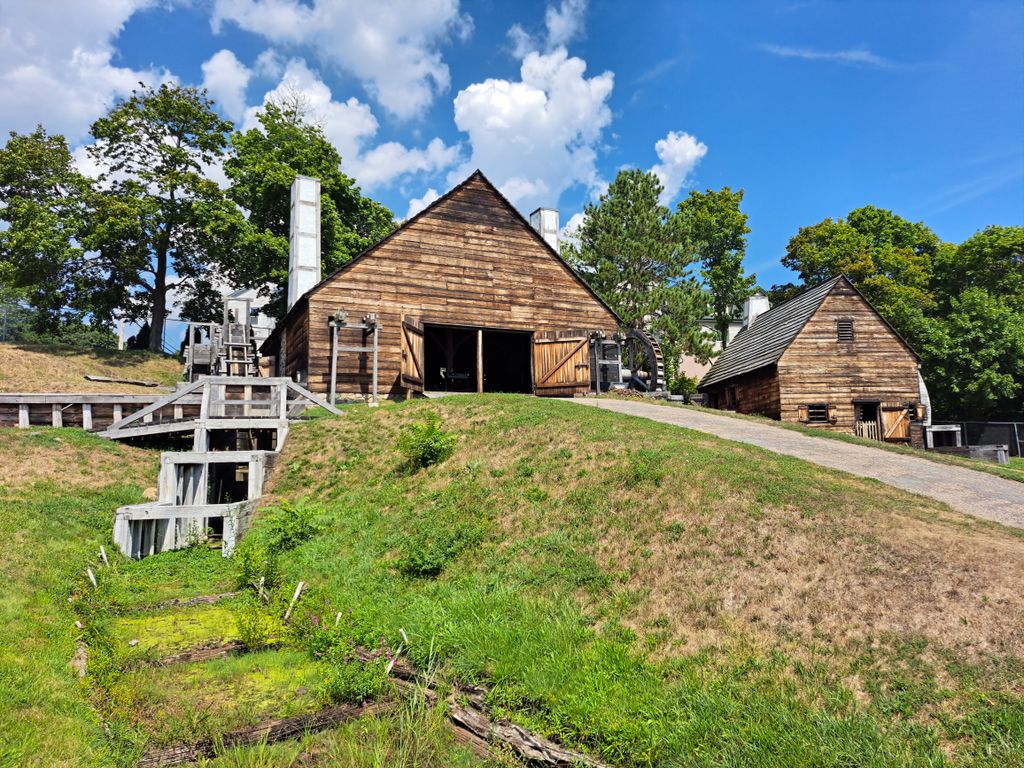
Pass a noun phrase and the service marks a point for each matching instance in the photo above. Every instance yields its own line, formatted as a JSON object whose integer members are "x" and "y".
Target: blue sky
{"x": 813, "y": 108}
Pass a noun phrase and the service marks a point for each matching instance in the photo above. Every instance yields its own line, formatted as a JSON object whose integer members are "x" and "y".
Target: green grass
{"x": 644, "y": 604}
{"x": 51, "y": 533}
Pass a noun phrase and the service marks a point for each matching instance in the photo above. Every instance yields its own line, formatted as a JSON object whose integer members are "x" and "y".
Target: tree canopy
{"x": 630, "y": 251}
{"x": 262, "y": 166}
{"x": 711, "y": 221}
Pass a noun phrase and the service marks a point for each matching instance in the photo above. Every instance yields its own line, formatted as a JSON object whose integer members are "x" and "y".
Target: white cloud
{"x": 565, "y": 23}
{"x": 854, "y": 56}
{"x": 55, "y": 63}
{"x": 562, "y": 24}
{"x": 391, "y": 46}
{"x": 226, "y": 78}
{"x": 269, "y": 64}
{"x": 349, "y": 125}
{"x": 570, "y": 232}
{"x": 417, "y": 204}
{"x": 537, "y": 136}
{"x": 678, "y": 153}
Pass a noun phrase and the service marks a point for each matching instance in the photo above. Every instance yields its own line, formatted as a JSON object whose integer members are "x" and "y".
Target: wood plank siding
{"x": 826, "y": 358}
{"x": 469, "y": 260}
{"x": 817, "y": 368}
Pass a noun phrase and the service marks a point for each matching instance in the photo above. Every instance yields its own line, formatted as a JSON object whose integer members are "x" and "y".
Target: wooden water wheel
{"x": 642, "y": 356}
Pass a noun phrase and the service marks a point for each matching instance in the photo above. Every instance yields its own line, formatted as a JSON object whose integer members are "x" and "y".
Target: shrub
{"x": 286, "y": 526}
{"x": 257, "y": 565}
{"x": 426, "y": 442}
{"x": 351, "y": 681}
{"x": 252, "y": 624}
{"x": 685, "y": 386}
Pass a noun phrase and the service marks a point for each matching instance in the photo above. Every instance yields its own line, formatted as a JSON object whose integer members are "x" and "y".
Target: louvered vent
{"x": 844, "y": 331}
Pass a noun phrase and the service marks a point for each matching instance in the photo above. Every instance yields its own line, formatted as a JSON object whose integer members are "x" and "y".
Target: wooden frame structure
{"x": 89, "y": 411}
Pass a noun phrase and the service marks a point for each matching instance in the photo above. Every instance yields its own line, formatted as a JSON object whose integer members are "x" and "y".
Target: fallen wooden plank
{"x": 133, "y": 382}
{"x": 266, "y": 732}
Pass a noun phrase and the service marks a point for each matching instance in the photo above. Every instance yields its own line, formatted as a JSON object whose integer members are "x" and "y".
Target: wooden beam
{"x": 87, "y": 416}
{"x": 479, "y": 360}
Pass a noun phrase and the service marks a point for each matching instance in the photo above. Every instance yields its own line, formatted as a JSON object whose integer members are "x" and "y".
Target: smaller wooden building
{"x": 826, "y": 359}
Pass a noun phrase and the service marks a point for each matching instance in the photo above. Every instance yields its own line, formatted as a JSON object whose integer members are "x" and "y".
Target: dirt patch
{"x": 32, "y": 368}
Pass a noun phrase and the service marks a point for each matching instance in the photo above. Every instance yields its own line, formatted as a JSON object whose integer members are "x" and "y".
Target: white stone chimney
{"x": 303, "y": 238}
{"x": 545, "y": 221}
{"x": 755, "y": 306}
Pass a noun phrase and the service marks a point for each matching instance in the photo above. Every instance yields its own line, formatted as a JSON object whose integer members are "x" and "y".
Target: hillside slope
{"x": 35, "y": 368}
{"x": 657, "y": 596}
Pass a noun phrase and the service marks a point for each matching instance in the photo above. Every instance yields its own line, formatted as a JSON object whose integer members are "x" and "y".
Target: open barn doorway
{"x": 506, "y": 362}
{"x": 458, "y": 359}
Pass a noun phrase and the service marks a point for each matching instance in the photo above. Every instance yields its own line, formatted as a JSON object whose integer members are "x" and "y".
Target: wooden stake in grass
{"x": 295, "y": 599}
{"x": 103, "y": 555}
{"x": 92, "y": 577}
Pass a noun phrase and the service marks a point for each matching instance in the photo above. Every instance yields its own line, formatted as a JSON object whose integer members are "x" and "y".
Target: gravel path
{"x": 965, "y": 490}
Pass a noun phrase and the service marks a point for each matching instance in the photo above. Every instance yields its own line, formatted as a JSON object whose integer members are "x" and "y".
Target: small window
{"x": 844, "y": 331}
{"x": 817, "y": 413}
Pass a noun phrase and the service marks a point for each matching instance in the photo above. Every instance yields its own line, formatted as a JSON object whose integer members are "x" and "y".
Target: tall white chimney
{"x": 754, "y": 306}
{"x": 303, "y": 238}
{"x": 545, "y": 221}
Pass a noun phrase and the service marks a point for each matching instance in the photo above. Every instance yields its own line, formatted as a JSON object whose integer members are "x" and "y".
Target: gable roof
{"x": 763, "y": 343}
{"x": 476, "y": 175}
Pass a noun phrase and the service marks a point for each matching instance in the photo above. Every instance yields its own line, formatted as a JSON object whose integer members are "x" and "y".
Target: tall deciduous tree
{"x": 888, "y": 258}
{"x": 262, "y": 167}
{"x": 630, "y": 252}
{"x": 716, "y": 227}
{"x": 151, "y": 215}
{"x": 43, "y": 208}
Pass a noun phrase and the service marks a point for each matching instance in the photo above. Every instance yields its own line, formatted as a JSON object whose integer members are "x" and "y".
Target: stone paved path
{"x": 965, "y": 490}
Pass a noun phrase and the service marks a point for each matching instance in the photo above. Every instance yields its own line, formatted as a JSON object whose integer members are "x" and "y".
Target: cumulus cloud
{"x": 536, "y": 136}
{"x": 417, "y": 204}
{"x": 678, "y": 154}
{"x": 55, "y": 63}
{"x": 226, "y": 79}
{"x": 350, "y": 125}
{"x": 392, "y": 46}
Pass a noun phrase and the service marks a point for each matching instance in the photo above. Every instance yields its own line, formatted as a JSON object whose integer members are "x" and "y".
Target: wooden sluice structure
{"x": 238, "y": 426}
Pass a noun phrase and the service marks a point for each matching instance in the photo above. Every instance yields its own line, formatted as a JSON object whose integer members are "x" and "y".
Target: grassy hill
{"x": 650, "y": 595}
{"x": 37, "y": 368}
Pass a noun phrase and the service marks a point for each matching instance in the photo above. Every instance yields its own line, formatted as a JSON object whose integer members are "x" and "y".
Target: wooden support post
{"x": 118, "y": 412}
{"x": 179, "y": 413}
{"x": 23, "y": 420}
{"x": 376, "y": 335}
{"x": 58, "y": 415}
{"x": 479, "y": 360}
{"x": 87, "y": 416}
{"x": 334, "y": 360}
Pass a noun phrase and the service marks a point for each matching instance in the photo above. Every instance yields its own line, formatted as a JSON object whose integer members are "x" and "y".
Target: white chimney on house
{"x": 303, "y": 238}
{"x": 545, "y": 221}
{"x": 753, "y": 307}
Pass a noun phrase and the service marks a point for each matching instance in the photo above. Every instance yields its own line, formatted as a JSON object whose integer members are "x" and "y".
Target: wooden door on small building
{"x": 561, "y": 363}
{"x": 412, "y": 354}
{"x": 895, "y": 422}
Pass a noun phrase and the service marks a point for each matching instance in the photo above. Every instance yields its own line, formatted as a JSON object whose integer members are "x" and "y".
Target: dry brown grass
{"x": 735, "y": 540}
{"x": 30, "y": 368}
{"x": 70, "y": 458}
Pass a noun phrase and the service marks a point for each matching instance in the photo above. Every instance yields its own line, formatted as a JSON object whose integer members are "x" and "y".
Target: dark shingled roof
{"x": 771, "y": 334}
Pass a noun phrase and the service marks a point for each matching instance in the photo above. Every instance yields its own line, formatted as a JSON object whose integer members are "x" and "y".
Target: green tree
{"x": 262, "y": 167}
{"x": 992, "y": 259}
{"x": 717, "y": 229}
{"x": 888, "y": 258}
{"x": 630, "y": 252}
{"x": 43, "y": 210}
{"x": 151, "y": 215}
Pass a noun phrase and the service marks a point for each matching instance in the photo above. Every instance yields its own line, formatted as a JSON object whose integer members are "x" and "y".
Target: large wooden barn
{"x": 826, "y": 359}
{"x": 466, "y": 296}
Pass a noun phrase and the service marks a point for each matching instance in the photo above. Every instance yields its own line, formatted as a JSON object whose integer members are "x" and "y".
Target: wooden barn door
{"x": 561, "y": 363}
{"x": 412, "y": 354}
{"x": 895, "y": 422}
